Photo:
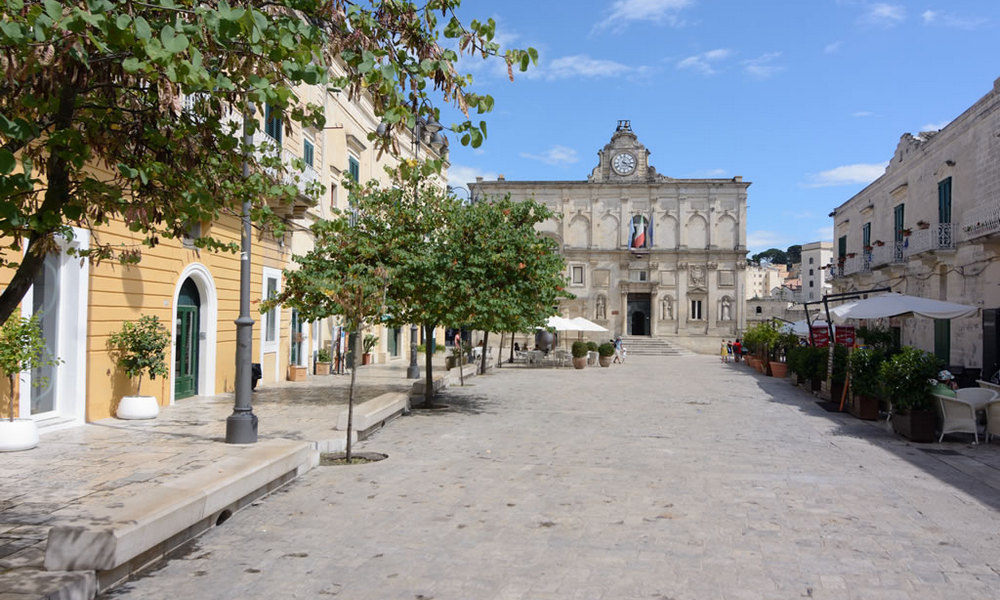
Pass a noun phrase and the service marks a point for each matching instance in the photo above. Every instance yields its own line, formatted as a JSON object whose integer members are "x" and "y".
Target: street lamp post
{"x": 436, "y": 142}
{"x": 241, "y": 426}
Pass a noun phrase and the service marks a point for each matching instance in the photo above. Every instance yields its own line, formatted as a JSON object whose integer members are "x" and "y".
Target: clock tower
{"x": 623, "y": 159}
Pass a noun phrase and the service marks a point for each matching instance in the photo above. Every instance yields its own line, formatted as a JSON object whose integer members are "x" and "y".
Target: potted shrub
{"x": 579, "y": 350}
{"x": 783, "y": 342}
{"x": 814, "y": 367}
{"x": 606, "y": 352}
{"x": 139, "y": 349}
{"x": 906, "y": 379}
{"x": 923, "y": 224}
{"x": 794, "y": 358}
{"x": 323, "y": 361}
{"x": 863, "y": 366}
{"x": 22, "y": 348}
{"x": 370, "y": 341}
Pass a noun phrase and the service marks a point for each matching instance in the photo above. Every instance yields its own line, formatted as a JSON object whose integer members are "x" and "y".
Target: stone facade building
{"x": 647, "y": 254}
{"x": 930, "y": 227}
{"x": 815, "y": 256}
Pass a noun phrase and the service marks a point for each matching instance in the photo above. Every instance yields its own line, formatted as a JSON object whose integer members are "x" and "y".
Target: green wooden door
{"x": 186, "y": 344}
{"x": 942, "y": 339}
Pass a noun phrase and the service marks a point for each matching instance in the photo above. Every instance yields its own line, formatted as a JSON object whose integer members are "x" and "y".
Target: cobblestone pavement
{"x": 665, "y": 478}
{"x": 83, "y": 465}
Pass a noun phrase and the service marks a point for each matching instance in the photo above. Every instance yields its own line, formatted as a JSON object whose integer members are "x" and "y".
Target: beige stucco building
{"x": 930, "y": 227}
{"x": 647, "y": 254}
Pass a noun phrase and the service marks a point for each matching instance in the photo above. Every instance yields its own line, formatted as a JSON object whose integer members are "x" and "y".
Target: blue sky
{"x": 805, "y": 98}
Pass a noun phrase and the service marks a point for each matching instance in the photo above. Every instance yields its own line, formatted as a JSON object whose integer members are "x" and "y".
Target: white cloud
{"x": 832, "y": 47}
{"x": 886, "y": 15}
{"x": 760, "y": 240}
{"x": 848, "y": 175}
{"x": 825, "y": 233}
{"x": 934, "y": 126}
{"x": 762, "y": 67}
{"x": 623, "y": 12}
{"x": 708, "y": 174}
{"x": 936, "y": 17}
{"x": 462, "y": 176}
{"x": 704, "y": 62}
{"x": 581, "y": 66}
{"x": 862, "y": 113}
{"x": 556, "y": 155}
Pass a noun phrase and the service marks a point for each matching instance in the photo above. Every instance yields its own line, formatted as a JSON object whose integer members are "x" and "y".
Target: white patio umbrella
{"x": 894, "y": 305}
{"x": 583, "y": 324}
{"x": 561, "y": 324}
{"x": 801, "y": 328}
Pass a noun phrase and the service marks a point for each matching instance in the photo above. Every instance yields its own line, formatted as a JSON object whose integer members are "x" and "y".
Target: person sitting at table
{"x": 945, "y": 384}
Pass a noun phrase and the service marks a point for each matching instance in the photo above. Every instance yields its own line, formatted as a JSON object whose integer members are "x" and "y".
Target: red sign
{"x": 820, "y": 336}
{"x": 845, "y": 335}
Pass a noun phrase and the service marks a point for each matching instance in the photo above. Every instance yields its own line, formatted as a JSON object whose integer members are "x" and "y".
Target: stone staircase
{"x": 651, "y": 346}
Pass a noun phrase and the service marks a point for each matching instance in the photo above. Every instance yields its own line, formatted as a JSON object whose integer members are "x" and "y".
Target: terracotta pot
{"x": 296, "y": 373}
{"x": 778, "y": 369}
{"x": 322, "y": 368}
{"x": 605, "y": 361}
{"x": 579, "y": 363}
{"x": 366, "y": 358}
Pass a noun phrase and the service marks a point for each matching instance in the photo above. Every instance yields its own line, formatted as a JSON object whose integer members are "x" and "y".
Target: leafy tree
{"x": 121, "y": 109}
{"x": 793, "y": 255}
{"x": 347, "y": 273}
{"x": 770, "y": 256}
{"x": 140, "y": 348}
{"x": 515, "y": 275}
{"x": 22, "y": 348}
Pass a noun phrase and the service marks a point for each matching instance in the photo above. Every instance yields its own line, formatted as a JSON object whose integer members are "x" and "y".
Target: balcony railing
{"x": 982, "y": 220}
{"x": 293, "y": 176}
{"x": 857, "y": 264}
{"x": 939, "y": 236}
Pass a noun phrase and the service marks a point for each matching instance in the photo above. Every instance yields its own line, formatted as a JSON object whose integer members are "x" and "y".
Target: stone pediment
{"x": 624, "y": 160}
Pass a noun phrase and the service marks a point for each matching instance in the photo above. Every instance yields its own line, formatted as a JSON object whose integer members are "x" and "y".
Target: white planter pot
{"x": 19, "y": 434}
{"x": 137, "y": 407}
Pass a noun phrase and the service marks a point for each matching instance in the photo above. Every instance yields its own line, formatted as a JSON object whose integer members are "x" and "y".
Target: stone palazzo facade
{"x": 646, "y": 254}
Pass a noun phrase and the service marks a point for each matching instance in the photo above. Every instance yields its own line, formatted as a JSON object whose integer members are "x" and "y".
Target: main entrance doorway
{"x": 638, "y": 314}
{"x": 186, "y": 348}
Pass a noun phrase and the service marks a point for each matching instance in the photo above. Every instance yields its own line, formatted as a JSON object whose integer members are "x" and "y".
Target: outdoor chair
{"x": 992, "y": 419}
{"x": 976, "y": 396}
{"x": 957, "y": 416}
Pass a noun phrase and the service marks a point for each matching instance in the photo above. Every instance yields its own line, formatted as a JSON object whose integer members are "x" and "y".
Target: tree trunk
{"x": 49, "y": 213}
{"x": 10, "y": 380}
{"x": 512, "y": 335}
{"x": 428, "y": 366}
{"x": 500, "y": 353}
{"x": 482, "y": 361}
{"x": 350, "y": 395}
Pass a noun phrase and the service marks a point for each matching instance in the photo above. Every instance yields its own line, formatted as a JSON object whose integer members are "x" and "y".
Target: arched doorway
{"x": 186, "y": 344}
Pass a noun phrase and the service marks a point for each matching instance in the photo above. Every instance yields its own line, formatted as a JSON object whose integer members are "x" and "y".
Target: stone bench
{"x": 374, "y": 413}
{"x": 122, "y": 536}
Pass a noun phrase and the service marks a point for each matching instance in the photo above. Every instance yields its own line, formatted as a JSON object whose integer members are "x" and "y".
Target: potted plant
{"x": 139, "y": 348}
{"x": 606, "y": 352}
{"x": 323, "y": 361}
{"x": 906, "y": 379}
{"x": 814, "y": 367}
{"x": 783, "y": 342}
{"x": 906, "y": 232}
{"x": 579, "y": 350}
{"x": 923, "y": 224}
{"x": 839, "y": 376}
{"x": 878, "y": 243}
{"x": 851, "y": 254}
{"x": 370, "y": 341}
{"x": 22, "y": 348}
{"x": 863, "y": 366}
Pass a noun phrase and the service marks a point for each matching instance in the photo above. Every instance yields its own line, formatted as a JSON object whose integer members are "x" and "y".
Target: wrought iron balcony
{"x": 265, "y": 146}
{"x": 982, "y": 220}
{"x": 939, "y": 236}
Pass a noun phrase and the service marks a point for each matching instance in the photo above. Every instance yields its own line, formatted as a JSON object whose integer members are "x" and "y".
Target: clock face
{"x": 623, "y": 163}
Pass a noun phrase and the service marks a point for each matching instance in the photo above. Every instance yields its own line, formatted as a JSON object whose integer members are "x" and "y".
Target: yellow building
{"x": 196, "y": 292}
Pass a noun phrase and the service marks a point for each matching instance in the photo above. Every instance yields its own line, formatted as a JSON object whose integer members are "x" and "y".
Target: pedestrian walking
{"x": 619, "y": 358}
{"x": 723, "y": 352}
{"x": 737, "y": 350}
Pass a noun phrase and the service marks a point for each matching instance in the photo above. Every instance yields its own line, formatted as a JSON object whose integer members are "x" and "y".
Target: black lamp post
{"x": 241, "y": 426}
{"x": 437, "y": 142}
